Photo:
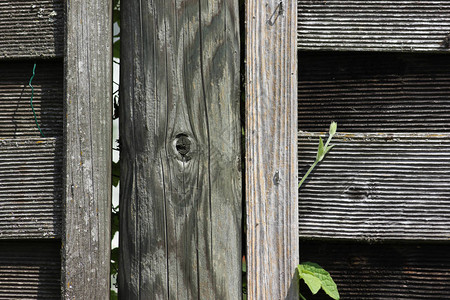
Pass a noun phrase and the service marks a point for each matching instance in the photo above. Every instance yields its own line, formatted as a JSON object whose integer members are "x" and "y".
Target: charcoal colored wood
{"x": 374, "y": 92}
{"x": 16, "y": 116}
{"x": 271, "y": 149}
{"x": 31, "y": 29}
{"x": 382, "y": 271}
{"x": 30, "y": 188}
{"x": 377, "y": 187}
{"x": 180, "y": 183}
{"x": 87, "y": 131}
{"x": 400, "y": 25}
{"x": 30, "y": 270}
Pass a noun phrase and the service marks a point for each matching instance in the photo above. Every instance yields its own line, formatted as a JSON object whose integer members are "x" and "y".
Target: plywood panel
{"x": 400, "y": 25}
{"x": 377, "y": 186}
{"x": 30, "y": 270}
{"x": 382, "y": 271}
{"x": 374, "y": 92}
{"x": 30, "y": 188}
{"x": 16, "y": 115}
{"x": 31, "y": 28}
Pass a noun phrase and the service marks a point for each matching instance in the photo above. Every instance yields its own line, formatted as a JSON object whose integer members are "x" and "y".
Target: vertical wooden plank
{"x": 88, "y": 69}
{"x": 180, "y": 187}
{"x": 271, "y": 149}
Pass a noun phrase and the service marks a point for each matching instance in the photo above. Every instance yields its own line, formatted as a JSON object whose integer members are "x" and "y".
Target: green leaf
{"x": 312, "y": 282}
{"x": 115, "y": 170}
{"x": 116, "y": 49}
{"x": 113, "y": 295}
{"x": 320, "y": 151}
{"x": 327, "y": 283}
{"x": 114, "y": 223}
{"x": 333, "y": 128}
{"x": 116, "y": 16}
{"x": 329, "y": 148}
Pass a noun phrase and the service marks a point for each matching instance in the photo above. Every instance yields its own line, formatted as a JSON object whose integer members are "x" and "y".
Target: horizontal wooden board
{"x": 382, "y": 271}
{"x": 30, "y": 188}
{"x": 31, "y": 28}
{"x": 374, "y": 92}
{"x": 16, "y": 115}
{"x": 376, "y": 187}
{"x": 400, "y": 25}
{"x": 30, "y": 270}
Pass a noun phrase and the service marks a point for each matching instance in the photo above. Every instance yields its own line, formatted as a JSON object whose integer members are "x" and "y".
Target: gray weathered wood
{"x": 271, "y": 149}
{"x": 380, "y": 25}
{"x": 30, "y": 188}
{"x": 31, "y": 28}
{"x": 30, "y": 270}
{"x": 87, "y": 182}
{"x": 377, "y": 187}
{"x": 180, "y": 186}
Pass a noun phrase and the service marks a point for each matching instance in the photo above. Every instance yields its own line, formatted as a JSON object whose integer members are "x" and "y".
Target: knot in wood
{"x": 183, "y": 144}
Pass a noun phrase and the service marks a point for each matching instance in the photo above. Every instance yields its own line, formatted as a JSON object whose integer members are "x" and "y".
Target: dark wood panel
{"x": 31, "y": 28}
{"x": 382, "y": 271}
{"x": 400, "y": 25}
{"x": 374, "y": 92}
{"x": 377, "y": 186}
{"x": 30, "y": 188}
{"x": 30, "y": 270}
{"x": 16, "y": 115}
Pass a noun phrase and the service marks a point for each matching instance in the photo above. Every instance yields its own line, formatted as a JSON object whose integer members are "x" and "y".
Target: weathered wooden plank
{"x": 31, "y": 28}
{"x": 30, "y": 270}
{"x": 180, "y": 187}
{"x": 87, "y": 185}
{"x": 401, "y": 25}
{"x": 30, "y": 188}
{"x": 16, "y": 115}
{"x": 383, "y": 271}
{"x": 377, "y": 187}
{"x": 271, "y": 149}
{"x": 374, "y": 92}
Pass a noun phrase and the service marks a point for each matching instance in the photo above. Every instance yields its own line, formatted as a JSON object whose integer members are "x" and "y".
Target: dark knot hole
{"x": 183, "y": 144}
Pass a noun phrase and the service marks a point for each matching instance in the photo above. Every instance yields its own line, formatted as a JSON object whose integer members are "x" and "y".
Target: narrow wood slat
{"x": 31, "y": 29}
{"x": 373, "y": 92}
{"x": 30, "y": 188}
{"x": 377, "y": 187}
{"x": 271, "y": 161}
{"x": 30, "y": 270}
{"x": 180, "y": 203}
{"x": 400, "y": 25}
{"x": 16, "y": 115}
{"x": 382, "y": 271}
{"x": 87, "y": 165}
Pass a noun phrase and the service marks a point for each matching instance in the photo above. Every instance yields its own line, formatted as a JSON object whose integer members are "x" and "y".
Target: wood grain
{"x": 382, "y": 271}
{"x": 30, "y": 270}
{"x": 87, "y": 182}
{"x": 180, "y": 197}
{"x": 271, "y": 149}
{"x": 377, "y": 187}
{"x": 400, "y": 25}
{"x": 30, "y": 188}
{"x": 31, "y": 29}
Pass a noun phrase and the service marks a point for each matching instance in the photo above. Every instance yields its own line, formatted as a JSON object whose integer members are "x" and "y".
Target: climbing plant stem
{"x": 31, "y": 100}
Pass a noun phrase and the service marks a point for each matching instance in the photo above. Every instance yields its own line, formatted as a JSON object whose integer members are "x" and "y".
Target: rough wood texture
{"x": 87, "y": 185}
{"x": 30, "y": 188}
{"x": 381, "y": 25}
{"x": 31, "y": 28}
{"x": 374, "y": 92}
{"x": 377, "y": 186}
{"x": 30, "y": 270}
{"x": 271, "y": 149}
{"x": 383, "y": 271}
{"x": 16, "y": 116}
{"x": 180, "y": 187}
